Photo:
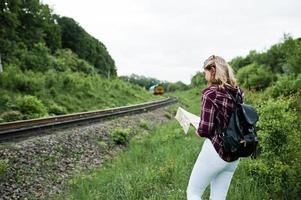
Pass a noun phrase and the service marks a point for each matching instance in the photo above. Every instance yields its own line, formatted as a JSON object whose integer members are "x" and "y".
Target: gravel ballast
{"x": 40, "y": 167}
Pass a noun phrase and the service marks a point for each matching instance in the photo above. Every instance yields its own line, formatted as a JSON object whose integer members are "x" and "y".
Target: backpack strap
{"x": 237, "y": 99}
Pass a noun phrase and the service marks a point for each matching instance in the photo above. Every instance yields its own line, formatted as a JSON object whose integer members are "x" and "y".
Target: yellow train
{"x": 157, "y": 89}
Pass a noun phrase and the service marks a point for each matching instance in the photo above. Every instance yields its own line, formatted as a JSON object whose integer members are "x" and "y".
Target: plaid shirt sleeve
{"x": 206, "y": 124}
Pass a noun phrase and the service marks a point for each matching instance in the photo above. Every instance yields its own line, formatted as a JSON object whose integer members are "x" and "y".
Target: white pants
{"x": 210, "y": 168}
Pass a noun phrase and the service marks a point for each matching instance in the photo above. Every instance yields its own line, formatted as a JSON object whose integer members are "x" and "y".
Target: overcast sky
{"x": 170, "y": 39}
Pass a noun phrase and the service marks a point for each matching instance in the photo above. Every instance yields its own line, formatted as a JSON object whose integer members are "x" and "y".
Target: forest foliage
{"x": 147, "y": 82}
{"x": 52, "y": 66}
{"x": 26, "y": 24}
{"x": 259, "y": 70}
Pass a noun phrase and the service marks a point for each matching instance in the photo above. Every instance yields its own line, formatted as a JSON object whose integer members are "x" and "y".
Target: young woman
{"x": 214, "y": 166}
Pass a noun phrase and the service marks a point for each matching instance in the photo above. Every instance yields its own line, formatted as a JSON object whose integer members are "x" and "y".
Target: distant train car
{"x": 157, "y": 89}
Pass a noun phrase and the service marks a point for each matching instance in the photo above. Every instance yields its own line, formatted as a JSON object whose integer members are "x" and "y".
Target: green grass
{"x": 158, "y": 166}
{"x": 155, "y": 167}
{"x": 70, "y": 92}
{"x": 189, "y": 99}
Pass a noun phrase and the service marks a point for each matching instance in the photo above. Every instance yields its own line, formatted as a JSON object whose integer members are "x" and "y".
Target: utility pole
{"x": 109, "y": 73}
{"x": 1, "y": 69}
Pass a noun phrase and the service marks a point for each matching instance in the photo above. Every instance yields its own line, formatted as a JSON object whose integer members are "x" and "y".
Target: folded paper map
{"x": 186, "y": 118}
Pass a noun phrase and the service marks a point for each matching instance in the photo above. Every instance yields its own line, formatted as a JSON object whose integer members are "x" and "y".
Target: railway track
{"x": 25, "y": 128}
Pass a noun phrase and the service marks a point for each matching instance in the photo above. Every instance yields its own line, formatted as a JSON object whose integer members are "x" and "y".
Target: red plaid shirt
{"x": 217, "y": 106}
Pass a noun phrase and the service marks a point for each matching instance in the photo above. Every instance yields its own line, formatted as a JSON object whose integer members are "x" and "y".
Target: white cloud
{"x": 170, "y": 39}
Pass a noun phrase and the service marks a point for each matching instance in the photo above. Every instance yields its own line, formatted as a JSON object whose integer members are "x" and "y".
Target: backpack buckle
{"x": 245, "y": 142}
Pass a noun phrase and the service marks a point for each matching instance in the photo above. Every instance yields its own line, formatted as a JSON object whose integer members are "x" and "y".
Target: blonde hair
{"x": 224, "y": 74}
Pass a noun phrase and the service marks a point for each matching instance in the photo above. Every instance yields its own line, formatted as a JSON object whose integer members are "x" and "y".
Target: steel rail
{"x": 17, "y": 128}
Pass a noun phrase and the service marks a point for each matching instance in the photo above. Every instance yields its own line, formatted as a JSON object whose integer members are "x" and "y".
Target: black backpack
{"x": 240, "y": 137}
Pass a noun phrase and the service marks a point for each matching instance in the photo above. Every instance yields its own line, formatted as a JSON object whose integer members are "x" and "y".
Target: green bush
{"x": 278, "y": 166}
{"x": 66, "y": 59}
{"x": 38, "y": 59}
{"x": 53, "y": 92}
{"x": 254, "y": 76}
{"x": 4, "y": 99}
{"x": 72, "y": 91}
{"x": 3, "y": 167}
{"x": 9, "y": 116}
{"x": 177, "y": 86}
{"x": 56, "y": 109}
{"x": 293, "y": 53}
{"x": 144, "y": 124}
{"x": 198, "y": 80}
{"x": 51, "y": 79}
{"x": 31, "y": 82}
{"x": 285, "y": 86}
{"x": 31, "y": 107}
{"x": 69, "y": 81}
{"x": 84, "y": 67}
{"x": 168, "y": 115}
{"x": 12, "y": 78}
{"x": 120, "y": 135}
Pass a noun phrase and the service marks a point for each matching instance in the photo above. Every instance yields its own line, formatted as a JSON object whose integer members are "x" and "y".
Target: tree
{"x": 86, "y": 47}
{"x": 254, "y": 76}
{"x": 198, "y": 80}
{"x": 142, "y": 81}
{"x": 292, "y": 48}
